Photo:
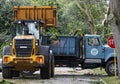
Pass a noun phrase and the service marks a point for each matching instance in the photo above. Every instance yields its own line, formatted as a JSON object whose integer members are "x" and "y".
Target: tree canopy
{"x": 73, "y": 15}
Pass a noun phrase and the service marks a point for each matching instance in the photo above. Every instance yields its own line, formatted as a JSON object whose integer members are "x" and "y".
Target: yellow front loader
{"x": 25, "y": 52}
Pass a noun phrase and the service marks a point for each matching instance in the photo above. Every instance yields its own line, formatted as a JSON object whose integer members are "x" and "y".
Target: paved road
{"x": 62, "y": 76}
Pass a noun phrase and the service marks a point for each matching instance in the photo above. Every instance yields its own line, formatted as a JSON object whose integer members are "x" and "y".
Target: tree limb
{"x": 88, "y": 14}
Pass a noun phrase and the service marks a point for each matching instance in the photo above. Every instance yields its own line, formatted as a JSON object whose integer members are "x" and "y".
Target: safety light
{"x": 10, "y": 43}
{"x": 5, "y": 59}
{"x": 36, "y": 44}
{"x": 40, "y": 60}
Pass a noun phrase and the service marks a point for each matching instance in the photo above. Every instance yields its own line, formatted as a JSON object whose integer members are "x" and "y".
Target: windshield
{"x": 33, "y": 29}
{"x": 29, "y": 28}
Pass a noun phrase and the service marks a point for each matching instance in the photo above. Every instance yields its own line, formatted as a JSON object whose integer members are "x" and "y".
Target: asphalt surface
{"x": 62, "y": 76}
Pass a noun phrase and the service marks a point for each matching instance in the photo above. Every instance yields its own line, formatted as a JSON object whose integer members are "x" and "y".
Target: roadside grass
{"x": 111, "y": 80}
{"x": 97, "y": 71}
{"x": 97, "y": 82}
{"x": 6, "y": 82}
{"x": 107, "y": 79}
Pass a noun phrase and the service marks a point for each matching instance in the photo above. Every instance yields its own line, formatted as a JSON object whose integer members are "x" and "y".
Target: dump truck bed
{"x": 68, "y": 46}
{"x": 44, "y": 13}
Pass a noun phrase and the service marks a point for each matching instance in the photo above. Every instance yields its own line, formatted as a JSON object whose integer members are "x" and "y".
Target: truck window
{"x": 19, "y": 29}
{"x": 33, "y": 29}
{"x": 93, "y": 42}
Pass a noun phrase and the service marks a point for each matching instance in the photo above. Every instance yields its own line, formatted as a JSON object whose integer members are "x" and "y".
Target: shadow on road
{"x": 86, "y": 75}
{"x": 37, "y": 76}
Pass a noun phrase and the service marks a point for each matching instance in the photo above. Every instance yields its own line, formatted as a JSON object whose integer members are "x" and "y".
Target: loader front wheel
{"x": 6, "y": 73}
{"x": 52, "y": 66}
{"x": 46, "y": 70}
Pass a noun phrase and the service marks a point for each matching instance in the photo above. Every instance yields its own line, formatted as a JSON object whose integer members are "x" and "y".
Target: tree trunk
{"x": 88, "y": 14}
{"x": 115, "y": 26}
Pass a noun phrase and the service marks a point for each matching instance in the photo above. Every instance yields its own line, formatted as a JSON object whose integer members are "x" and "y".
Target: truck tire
{"x": 110, "y": 68}
{"x": 45, "y": 71}
{"x": 6, "y": 71}
{"x": 52, "y": 66}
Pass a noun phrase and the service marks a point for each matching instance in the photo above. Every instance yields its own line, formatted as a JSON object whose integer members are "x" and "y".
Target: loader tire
{"x": 52, "y": 66}
{"x": 45, "y": 71}
{"x": 7, "y": 73}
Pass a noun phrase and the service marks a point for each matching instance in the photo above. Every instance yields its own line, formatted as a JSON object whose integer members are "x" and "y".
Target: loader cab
{"x": 20, "y": 28}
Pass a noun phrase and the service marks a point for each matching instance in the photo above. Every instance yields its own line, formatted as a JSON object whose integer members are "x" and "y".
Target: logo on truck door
{"x": 94, "y": 51}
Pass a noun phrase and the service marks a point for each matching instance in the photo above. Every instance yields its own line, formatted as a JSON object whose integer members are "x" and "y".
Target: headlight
{"x": 10, "y": 43}
{"x": 19, "y": 22}
{"x": 36, "y": 43}
{"x": 51, "y": 52}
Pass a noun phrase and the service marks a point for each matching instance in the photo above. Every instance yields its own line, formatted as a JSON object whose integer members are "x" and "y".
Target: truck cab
{"x": 97, "y": 54}
{"x": 94, "y": 49}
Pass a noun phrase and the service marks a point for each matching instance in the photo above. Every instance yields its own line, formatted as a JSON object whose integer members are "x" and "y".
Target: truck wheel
{"x": 6, "y": 73}
{"x": 46, "y": 70}
{"x": 52, "y": 66}
{"x": 110, "y": 68}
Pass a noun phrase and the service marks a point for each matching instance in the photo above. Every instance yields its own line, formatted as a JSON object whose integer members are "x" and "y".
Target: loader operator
{"x": 26, "y": 30}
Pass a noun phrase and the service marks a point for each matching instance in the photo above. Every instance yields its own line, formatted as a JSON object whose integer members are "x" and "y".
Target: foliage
{"x": 6, "y": 82}
{"x": 107, "y": 79}
{"x": 111, "y": 80}
{"x": 6, "y": 17}
{"x": 70, "y": 17}
{"x": 2, "y": 46}
{"x": 6, "y": 12}
{"x": 96, "y": 11}
{"x": 53, "y": 32}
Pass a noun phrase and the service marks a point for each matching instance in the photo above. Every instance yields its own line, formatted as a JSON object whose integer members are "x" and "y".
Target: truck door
{"x": 93, "y": 48}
